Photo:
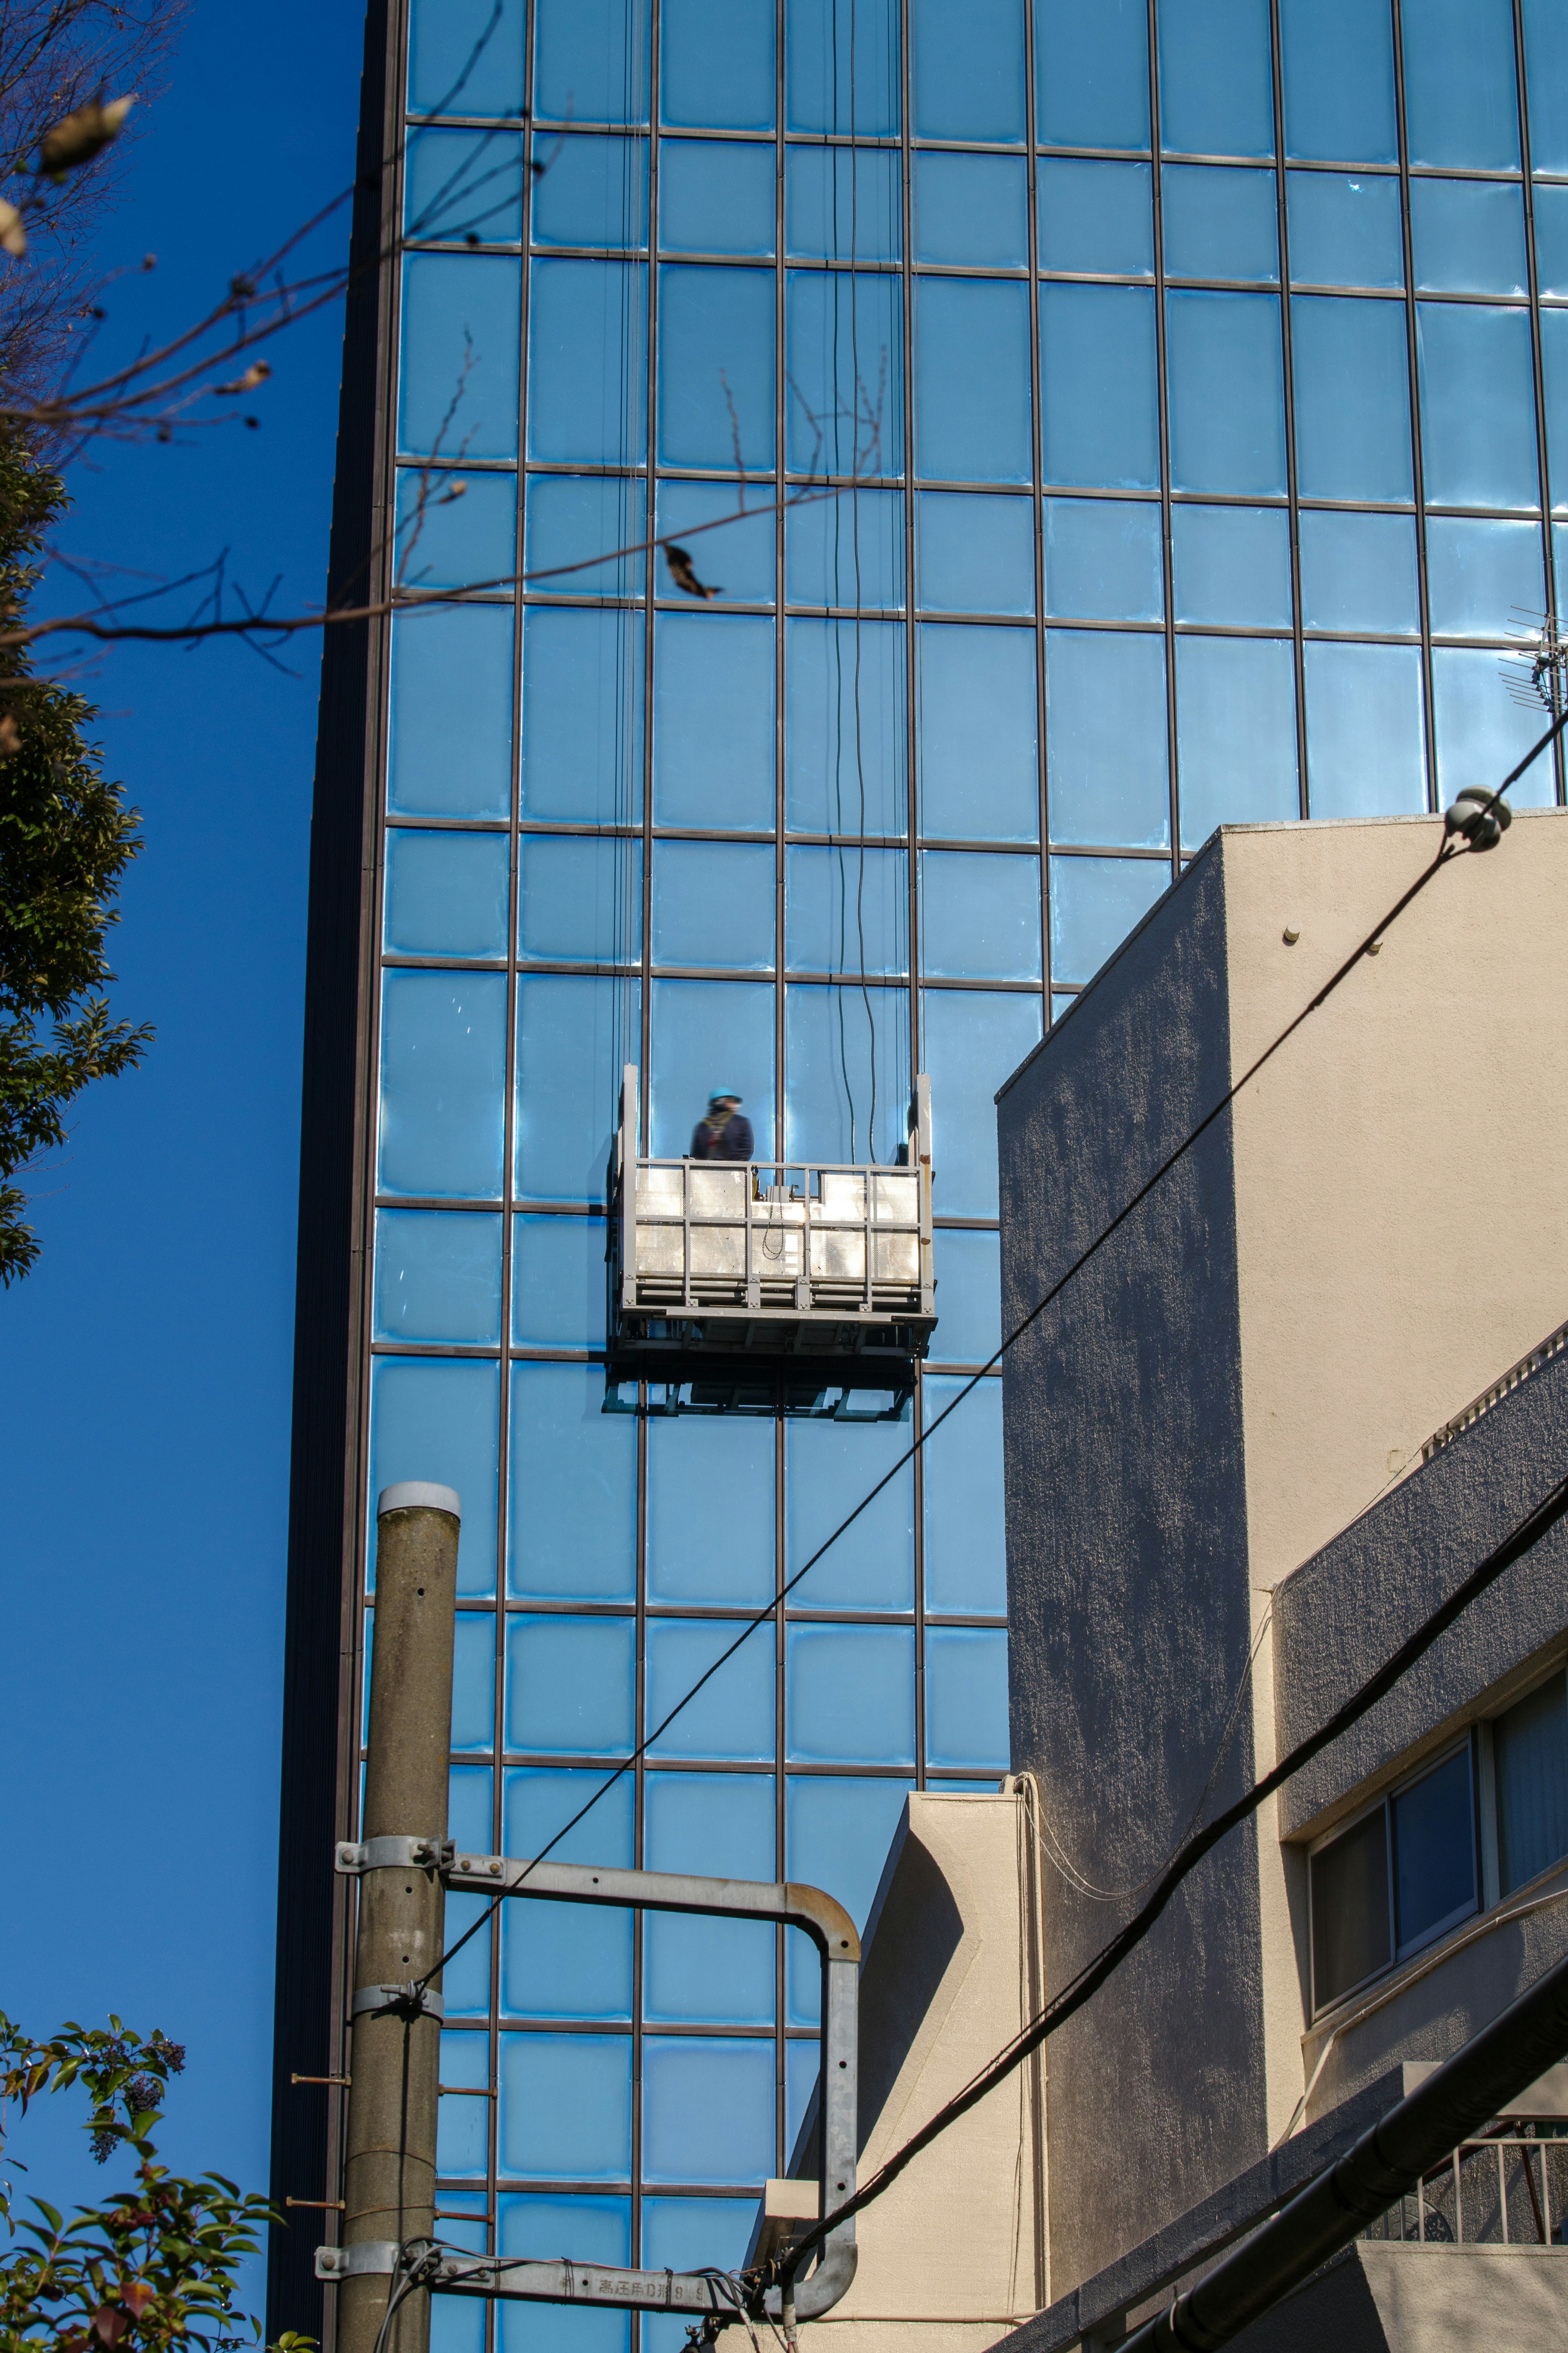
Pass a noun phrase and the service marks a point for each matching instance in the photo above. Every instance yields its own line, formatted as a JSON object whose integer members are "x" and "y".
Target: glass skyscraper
{"x": 1094, "y": 424}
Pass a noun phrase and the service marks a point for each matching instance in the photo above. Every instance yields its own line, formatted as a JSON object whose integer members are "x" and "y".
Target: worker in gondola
{"x": 723, "y": 1133}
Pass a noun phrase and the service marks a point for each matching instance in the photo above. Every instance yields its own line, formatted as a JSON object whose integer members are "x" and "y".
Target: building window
{"x": 1464, "y": 1833}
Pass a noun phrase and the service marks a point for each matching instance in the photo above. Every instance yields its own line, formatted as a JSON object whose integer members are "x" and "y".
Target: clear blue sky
{"x": 146, "y": 1368}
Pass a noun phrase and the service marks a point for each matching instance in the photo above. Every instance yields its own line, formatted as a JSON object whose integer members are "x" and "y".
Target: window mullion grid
{"x": 1537, "y": 363}
{"x": 781, "y": 427}
{"x": 912, "y": 739}
{"x": 1174, "y": 797}
{"x": 1036, "y": 472}
{"x": 1292, "y": 488}
{"x": 1413, "y": 363}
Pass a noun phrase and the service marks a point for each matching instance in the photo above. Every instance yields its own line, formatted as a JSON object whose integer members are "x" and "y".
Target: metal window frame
{"x": 1399, "y": 1953}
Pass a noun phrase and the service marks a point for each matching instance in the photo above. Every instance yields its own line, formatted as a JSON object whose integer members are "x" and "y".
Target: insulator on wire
{"x": 1479, "y": 815}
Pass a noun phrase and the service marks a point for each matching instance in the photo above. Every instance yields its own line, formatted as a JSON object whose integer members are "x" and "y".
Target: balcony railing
{"x": 1510, "y": 2191}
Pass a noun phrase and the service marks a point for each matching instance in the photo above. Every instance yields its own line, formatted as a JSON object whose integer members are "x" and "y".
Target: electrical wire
{"x": 1445, "y": 856}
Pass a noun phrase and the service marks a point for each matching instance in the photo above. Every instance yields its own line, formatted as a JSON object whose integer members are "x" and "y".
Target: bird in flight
{"x": 684, "y": 577}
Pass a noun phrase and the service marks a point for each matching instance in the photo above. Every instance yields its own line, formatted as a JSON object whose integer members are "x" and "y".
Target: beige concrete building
{"x": 1240, "y": 1468}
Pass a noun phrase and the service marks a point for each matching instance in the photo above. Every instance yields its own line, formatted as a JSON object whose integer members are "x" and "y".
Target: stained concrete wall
{"x": 1391, "y": 2298}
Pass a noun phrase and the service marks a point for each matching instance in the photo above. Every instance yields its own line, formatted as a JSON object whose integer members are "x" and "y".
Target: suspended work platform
{"x": 770, "y": 1260}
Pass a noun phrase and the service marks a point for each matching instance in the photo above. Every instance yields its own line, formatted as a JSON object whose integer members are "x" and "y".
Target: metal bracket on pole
{"x": 391, "y": 1853}
{"x": 374, "y": 2255}
{"x": 411, "y": 1999}
{"x": 834, "y": 1933}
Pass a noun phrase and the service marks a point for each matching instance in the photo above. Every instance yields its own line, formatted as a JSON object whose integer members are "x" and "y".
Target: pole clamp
{"x": 391, "y": 1852}
{"x": 408, "y": 2000}
{"x": 365, "y": 2255}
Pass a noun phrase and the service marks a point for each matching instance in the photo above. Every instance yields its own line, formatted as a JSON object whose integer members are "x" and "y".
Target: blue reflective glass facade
{"x": 1096, "y": 422}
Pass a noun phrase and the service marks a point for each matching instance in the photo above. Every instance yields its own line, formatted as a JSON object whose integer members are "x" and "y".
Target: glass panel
{"x": 579, "y": 898}
{"x": 713, "y": 726}
{"x": 843, "y": 204}
{"x": 973, "y": 1041}
{"x": 966, "y": 1698}
{"x": 1345, "y": 232}
{"x": 1350, "y": 1910}
{"x": 845, "y": 549}
{"x": 844, "y": 340}
{"x": 829, "y": 1467}
{"x": 587, "y": 336}
{"x": 574, "y": 522}
{"x": 1460, "y": 105}
{"x": 976, "y": 555}
{"x": 972, "y": 380}
{"x": 1554, "y": 364}
{"x": 1232, "y": 564}
{"x": 718, "y": 64}
{"x": 846, "y": 911}
{"x": 573, "y": 1037}
{"x": 463, "y": 2130}
{"x": 1228, "y": 394}
{"x": 1338, "y": 61}
{"x": 443, "y": 1056}
{"x": 1105, "y": 733}
{"x": 596, "y": 2230}
{"x": 1095, "y": 217}
{"x": 739, "y": 552}
{"x": 1220, "y": 223}
{"x": 715, "y": 196}
{"x": 572, "y": 1494}
{"x": 1095, "y": 903}
{"x": 557, "y": 1282}
{"x": 456, "y": 531}
{"x": 708, "y": 2109}
{"x": 1529, "y": 1752}
{"x": 1216, "y": 88}
{"x": 968, "y": 69}
{"x": 565, "y": 2112}
{"x": 731, "y": 1715}
{"x": 1236, "y": 734}
{"x": 1482, "y": 731}
{"x": 841, "y": 68}
{"x": 1366, "y": 751}
{"x": 1351, "y": 398}
{"x": 972, "y": 209}
{"x": 461, "y": 324}
{"x": 438, "y": 1278}
{"x": 1358, "y": 572}
{"x": 1467, "y": 236}
{"x": 576, "y": 660}
{"x": 979, "y": 734}
{"x": 1478, "y": 405}
{"x": 447, "y": 894}
{"x": 846, "y": 1056}
{"x": 434, "y": 1418}
{"x": 594, "y": 191}
{"x": 689, "y": 2234}
{"x": 470, "y": 1791}
{"x": 716, "y": 1824}
{"x": 590, "y": 61}
{"x": 1551, "y": 240}
{"x": 1098, "y": 413}
{"x": 474, "y": 1680}
{"x": 713, "y": 904}
{"x": 1546, "y": 61}
{"x": 1434, "y": 1851}
{"x": 716, "y": 367}
{"x": 837, "y": 1836}
{"x": 1092, "y": 73}
{"x": 844, "y": 725}
{"x": 851, "y": 1694}
{"x": 980, "y": 917}
{"x": 451, "y": 713}
{"x": 965, "y": 1534}
{"x": 1483, "y": 578}
{"x": 968, "y": 1297}
{"x": 1104, "y": 561}
{"x": 567, "y": 1960}
{"x": 465, "y": 56}
{"x": 691, "y": 1464}
{"x": 708, "y": 1034}
{"x": 569, "y": 1685}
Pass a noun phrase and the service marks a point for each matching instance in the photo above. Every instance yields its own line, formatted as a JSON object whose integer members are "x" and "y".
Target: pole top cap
{"x": 410, "y": 1494}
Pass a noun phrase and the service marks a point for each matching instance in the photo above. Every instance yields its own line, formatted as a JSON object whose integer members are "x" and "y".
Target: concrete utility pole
{"x": 389, "y": 2168}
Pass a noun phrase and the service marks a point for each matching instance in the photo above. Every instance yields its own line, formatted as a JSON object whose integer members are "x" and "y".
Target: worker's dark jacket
{"x": 733, "y": 1141}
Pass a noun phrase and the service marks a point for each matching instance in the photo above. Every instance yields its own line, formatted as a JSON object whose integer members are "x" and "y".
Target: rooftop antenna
{"x": 1537, "y": 675}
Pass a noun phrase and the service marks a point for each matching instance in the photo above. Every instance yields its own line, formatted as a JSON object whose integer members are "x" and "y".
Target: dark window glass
{"x": 1467, "y": 236}
{"x": 1228, "y": 393}
{"x": 829, "y": 88}
{"x": 1338, "y": 57}
{"x": 1546, "y": 63}
{"x": 716, "y": 196}
{"x": 1217, "y": 92}
{"x": 718, "y": 64}
{"x": 1460, "y": 105}
{"x": 1092, "y": 73}
{"x": 1345, "y": 231}
{"x": 1098, "y": 412}
{"x": 465, "y": 56}
{"x": 968, "y": 68}
{"x": 1350, "y": 1909}
{"x": 1434, "y": 1851}
{"x": 594, "y": 193}
{"x": 1353, "y": 398}
{"x": 1220, "y": 223}
{"x": 591, "y": 61}
{"x": 1095, "y": 217}
{"x": 1529, "y": 1749}
{"x": 465, "y": 184}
